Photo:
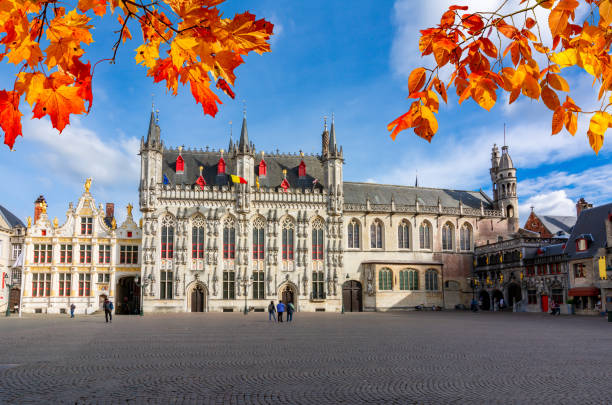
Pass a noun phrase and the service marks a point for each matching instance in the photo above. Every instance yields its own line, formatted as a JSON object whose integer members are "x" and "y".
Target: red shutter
{"x": 180, "y": 164}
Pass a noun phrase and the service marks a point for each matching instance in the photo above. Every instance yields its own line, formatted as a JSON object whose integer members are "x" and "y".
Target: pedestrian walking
{"x": 108, "y": 310}
{"x": 271, "y": 311}
{"x": 290, "y": 311}
{"x": 72, "y": 308}
{"x": 280, "y": 308}
{"x": 501, "y": 304}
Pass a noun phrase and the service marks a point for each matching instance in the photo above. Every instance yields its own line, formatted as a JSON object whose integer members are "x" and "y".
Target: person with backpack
{"x": 72, "y": 308}
{"x": 280, "y": 308}
{"x": 290, "y": 311}
{"x": 272, "y": 311}
{"x": 108, "y": 310}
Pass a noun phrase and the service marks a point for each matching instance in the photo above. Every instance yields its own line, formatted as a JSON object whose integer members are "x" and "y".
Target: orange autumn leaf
{"x": 416, "y": 80}
{"x": 558, "y": 119}
{"x": 550, "y": 98}
{"x": 58, "y": 103}
{"x": 10, "y": 116}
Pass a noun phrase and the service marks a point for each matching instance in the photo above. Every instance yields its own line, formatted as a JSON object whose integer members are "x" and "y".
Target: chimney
{"x": 582, "y": 205}
{"x": 38, "y": 208}
{"x": 110, "y": 211}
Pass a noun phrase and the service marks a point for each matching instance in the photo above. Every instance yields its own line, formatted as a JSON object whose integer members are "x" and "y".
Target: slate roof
{"x": 10, "y": 218}
{"x": 591, "y": 221}
{"x": 357, "y": 193}
{"x": 558, "y": 225}
{"x": 209, "y": 160}
{"x": 548, "y": 250}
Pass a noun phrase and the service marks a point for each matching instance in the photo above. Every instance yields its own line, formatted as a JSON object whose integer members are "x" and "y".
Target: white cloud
{"x": 550, "y": 203}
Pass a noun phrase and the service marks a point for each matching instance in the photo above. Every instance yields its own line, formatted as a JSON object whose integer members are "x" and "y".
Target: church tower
{"x": 333, "y": 161}
{"x": 245, "y": 160}
{"x": 503, "y": 176}
{"x": 150, "y": 159}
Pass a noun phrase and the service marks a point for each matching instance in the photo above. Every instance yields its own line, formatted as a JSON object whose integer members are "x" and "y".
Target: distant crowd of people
{"x": 280, "y": 309}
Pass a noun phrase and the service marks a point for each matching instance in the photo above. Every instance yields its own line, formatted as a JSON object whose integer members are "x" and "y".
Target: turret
{"x": 503, "y": 176}
{"x": 333, "y": 171}
{"x": 245, "y": 161}
{"x": 151, "y": 151}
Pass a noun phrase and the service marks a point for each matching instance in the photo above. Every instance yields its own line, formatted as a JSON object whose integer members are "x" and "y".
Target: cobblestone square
{"x": 320, "y": 358}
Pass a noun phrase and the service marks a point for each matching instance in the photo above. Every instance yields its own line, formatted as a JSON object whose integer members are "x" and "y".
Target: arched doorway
{"x": 484, "y": 300}
{"x": 497, "y": 296}
{"x": 198, "y": 299}
{"x": 288, "y": 294}
{"x": 127, "y": 297}
{"x": 514, "y": 294}
{"x": 352, "y": 296}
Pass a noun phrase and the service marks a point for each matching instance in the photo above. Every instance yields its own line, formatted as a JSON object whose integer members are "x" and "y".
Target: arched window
{"x": 258, "y": 239}
{"x": 465, "y": 237}
{"x": 425, "y": 235}
{"x": 510, "y": 211}
{"x": 385, "y": 279}
{"x": 197, "y": 238}
{"x": 447, "y": 237}
{"x": 317, "y": 240}
{"x": 353, "y": 234}
{"x": 376, "y": 234}
{"x": 229, "y": 239}
{"x": 403, "y": 235}
{"x": 431, "y": 280}
{"x": 167, "y": 237}
{"x": 288, "y": 230}
{"x": 409, "y": 280}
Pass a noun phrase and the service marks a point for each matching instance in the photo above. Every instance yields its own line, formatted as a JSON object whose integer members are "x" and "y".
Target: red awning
{"x": 583, "y": 292}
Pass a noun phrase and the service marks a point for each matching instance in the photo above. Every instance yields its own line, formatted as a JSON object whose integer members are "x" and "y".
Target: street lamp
{"x": 245, "y": 283}
{"x": 8, "y": 298}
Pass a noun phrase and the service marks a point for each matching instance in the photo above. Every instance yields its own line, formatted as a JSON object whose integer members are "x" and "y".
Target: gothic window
{"x": 258, "y": 285}
{"x": 385, "y": 279}
{"x": 376, "y": 232}
{"x": 510, "y": 211}
{"x": 229, "y": 285}
{"x": 409, "y": 280}
{"x": 288, "y": 231}
{"x": 84, "y": 285}
{"x": 64, "y": 284}
{"x": 353, "y": 234}
{"x": 197, "y": 238}
{"x": 447, "y": 237}
{"x": 43, "y": 253}
{"x": 465, "y": 237}
{"x": 65, "y": 254}
{"x": 166, "y": 291}
{"x": 403, "y": 235}
{"x": 318, "y": 285}
{"x": 104, "y": 253}
{"x": 229, "y": 239}
{"x": 86, "y": 225}
{"x": 425, "y": 235}
{"x": 41, "y": 284}
{"x": 85, "y": 254}
{"x": 258, "y": 239}
{"x": 317, "y": 239}
{"x": 431, "y": 280}
{"x": 167, "y": 237}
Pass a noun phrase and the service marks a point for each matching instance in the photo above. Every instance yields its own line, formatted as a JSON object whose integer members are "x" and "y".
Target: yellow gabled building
{"x": 81, "y": 262}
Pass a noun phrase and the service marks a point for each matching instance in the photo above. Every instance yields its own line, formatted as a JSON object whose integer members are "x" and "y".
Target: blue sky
{"x": 326, "y": 57}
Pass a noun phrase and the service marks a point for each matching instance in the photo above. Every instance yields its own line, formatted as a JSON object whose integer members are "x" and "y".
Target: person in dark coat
{"x": 290, "y": 311}
{"x": 72, "y": 308}
{"x": 108, "y": 310}
{"x": 280, "y": 308}
{"x": 272, "y": 311}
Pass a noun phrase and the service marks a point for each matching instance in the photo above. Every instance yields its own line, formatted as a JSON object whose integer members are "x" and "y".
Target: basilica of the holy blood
{"x": 222, "y": 228}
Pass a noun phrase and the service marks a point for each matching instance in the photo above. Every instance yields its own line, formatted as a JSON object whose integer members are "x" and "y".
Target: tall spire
{"x": 244, "y": 146}
{"x": 153, "y": 134}
{"x": 333, "y": 148}
{"x": 325, "y": 139}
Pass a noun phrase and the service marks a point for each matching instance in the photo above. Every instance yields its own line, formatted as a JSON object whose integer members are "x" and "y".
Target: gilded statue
{"x": 87, "y": 184}
{"x": 29, "y": 222}
{"x": 55, "y": 222}
{"x": 43, "y": 207}
{"x": 129, "y": 209}
{"x": 114, "y": 224}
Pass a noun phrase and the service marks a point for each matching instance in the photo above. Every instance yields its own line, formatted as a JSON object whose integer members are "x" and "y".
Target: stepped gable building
{"x": 297, "y": 231}
{"x": 82, "y": 261}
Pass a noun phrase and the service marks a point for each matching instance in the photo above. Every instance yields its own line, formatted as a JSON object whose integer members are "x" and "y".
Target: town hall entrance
{"x": 197, "y": 299}
{"x": 127, "y": 297}
{"x": 288, "y": 295}
{"x": 351, "y": 296}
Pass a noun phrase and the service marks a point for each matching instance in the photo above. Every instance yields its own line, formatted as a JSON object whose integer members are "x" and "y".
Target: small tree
{"x": 46, "y": 41}
{"x": 467, "y": 42}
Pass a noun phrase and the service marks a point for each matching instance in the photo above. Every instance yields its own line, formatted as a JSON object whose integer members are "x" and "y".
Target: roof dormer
{"x": 263, "y": 167}
{"x": 180, "y": 162}
{"x": 302, "y": 169}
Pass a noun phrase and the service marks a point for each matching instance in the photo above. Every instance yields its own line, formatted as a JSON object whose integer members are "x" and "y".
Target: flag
{"x": 238, "y": 179}
{"x": 201, "y": 182}
{"x": 602, "y": 268}
{"x": 257, "y": 182}
{"x": 166, "y": 181}
{"x": 285, "y": 185}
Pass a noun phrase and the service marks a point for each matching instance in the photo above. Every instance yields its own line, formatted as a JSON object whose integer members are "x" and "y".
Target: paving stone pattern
{"x": 320, "y": 358}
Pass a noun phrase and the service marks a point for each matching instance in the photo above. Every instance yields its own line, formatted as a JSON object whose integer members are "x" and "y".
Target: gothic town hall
{"x": 222, "y": 229}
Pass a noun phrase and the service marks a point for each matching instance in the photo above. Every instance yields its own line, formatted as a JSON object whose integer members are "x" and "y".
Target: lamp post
{"x": 8, "y": 298}
{"x": 245, "y": 283}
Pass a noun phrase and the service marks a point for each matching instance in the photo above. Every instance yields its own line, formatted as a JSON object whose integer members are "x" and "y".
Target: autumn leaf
{"x": 58, "y": 103}
{"x": 416, "y": 80}
{"x": 147, "y": 54}
{"x": 558, "y": 82}
{"x": 569, "y": 57}
{"x": 10, "y": 116}
{"x": 550, "y": 98}
{"x": 557, "y": 120}
{"x": 181, "y": 49}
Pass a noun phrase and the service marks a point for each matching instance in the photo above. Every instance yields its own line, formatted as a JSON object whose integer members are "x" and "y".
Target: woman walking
{"x": 271, "y": 311}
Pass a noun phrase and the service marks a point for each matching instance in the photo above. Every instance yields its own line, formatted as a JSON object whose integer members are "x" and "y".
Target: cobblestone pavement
{"x": 320, "y": 358}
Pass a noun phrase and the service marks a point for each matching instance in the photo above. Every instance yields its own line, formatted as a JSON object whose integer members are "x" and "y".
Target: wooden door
{"x": 288, "y": 296}
{"x": 352, "y": 296}
{"x": 544, "y": 303}
{"x": 197, "y": 300}
{"x": 14, "y": 299}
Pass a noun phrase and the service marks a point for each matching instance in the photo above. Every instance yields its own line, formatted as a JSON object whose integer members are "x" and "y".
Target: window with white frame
{"x": 15, "y": 251}
{"x": 41, "y": 284}
{"x": 85, "y": 254}
{"x": 104, "y": 254}
{"x": 165, "y": 285}
{"x": 229, "y": 285}
{"x": 258, "y": 285}
{"x": 65, "y": 254}
{"x": 104, "y": 278}
{"x": 43, "y": 253}
{"x": 86, "y": 225}
{"x": 128, "y": 254}
{"x": 65, "y": 281}
{"x": 84, "y": 284}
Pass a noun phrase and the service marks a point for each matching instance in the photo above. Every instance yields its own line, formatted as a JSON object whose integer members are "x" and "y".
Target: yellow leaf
{"x": 599, "y": 122}
{"x": 416, "y": 80}
{"x": 569, "y": 57}
{"x": 28, "y": 51}
{"x": 605, "y": 13}
{"x": 428, "y": 115}
{"x": 484, "y": 93}
{"x": 182, "y": 48}
{"x": 147, "y": 54}
{"x": 531, "y": 87}
{"x": 558, "y": 82}
{"x": 595, "y": 140}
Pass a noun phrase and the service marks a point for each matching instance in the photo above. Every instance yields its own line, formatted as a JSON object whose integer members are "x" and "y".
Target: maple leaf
{"x": 147, "y": 53}
{"x": 31, "y": 84}
{"x": 10, "y": 116}
{"x": 181, "y": 49}
{"x": 222, "y": 84}
{"x": 58, "y": 101}
{"x": 28, "y": 51}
